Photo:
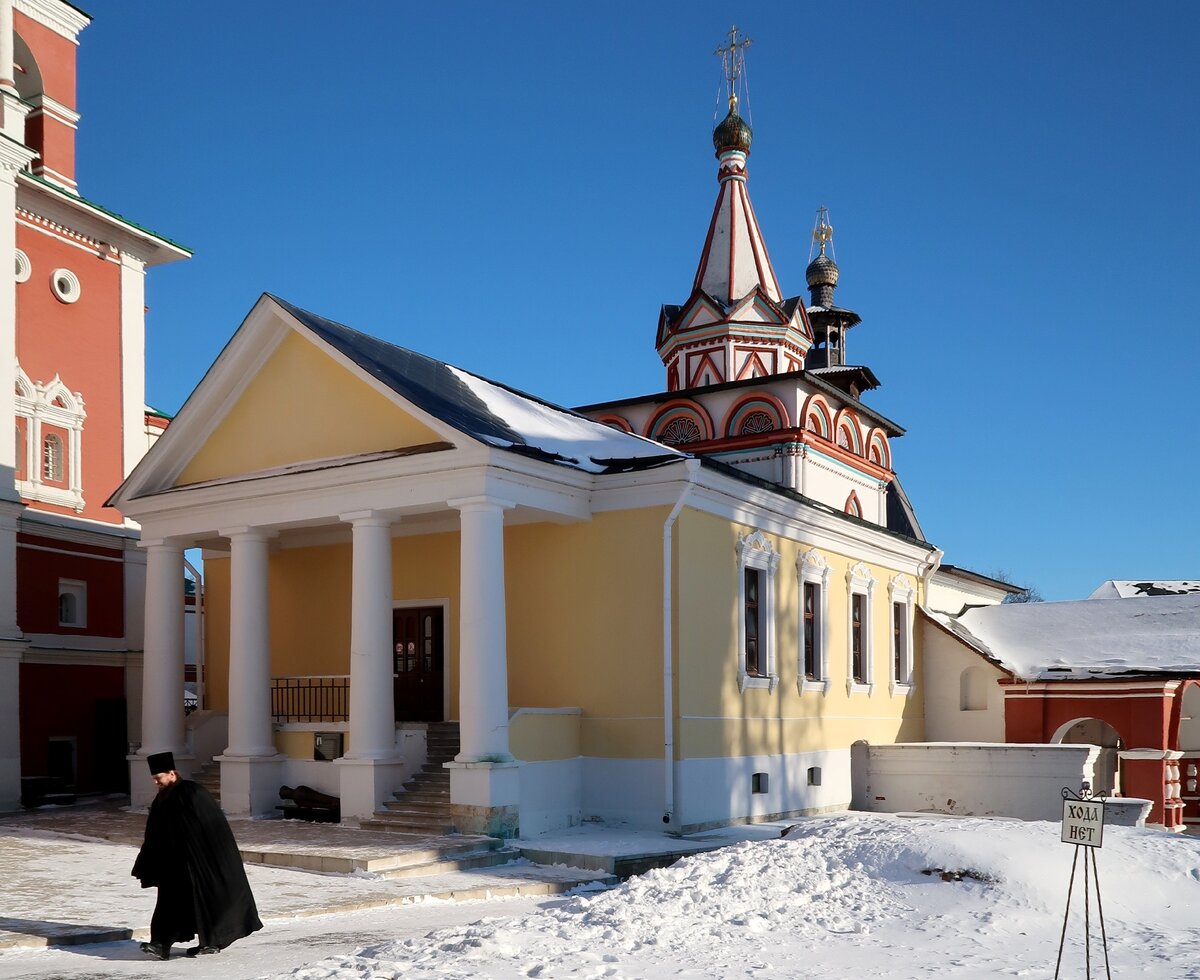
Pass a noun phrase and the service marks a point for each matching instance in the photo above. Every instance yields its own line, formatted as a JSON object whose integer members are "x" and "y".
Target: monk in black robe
{"x": 190, "y": 855}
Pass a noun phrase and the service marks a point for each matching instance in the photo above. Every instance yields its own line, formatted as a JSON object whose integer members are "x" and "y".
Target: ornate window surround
{"x": 52, "y": 404}
{"x": 756, "y": 551}
{"x": 860, "y": 581}
{"x": 901, "y": 592}
{"x": 811, "y": 567}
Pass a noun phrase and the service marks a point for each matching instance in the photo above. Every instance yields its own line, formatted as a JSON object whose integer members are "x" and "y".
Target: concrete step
{"x": 419, "y": 850}
{"x": 404, "y": 802}
{"x": 407, "y": 822}
{"x": 421, "y": 796}
{"x": 478, "y": 859}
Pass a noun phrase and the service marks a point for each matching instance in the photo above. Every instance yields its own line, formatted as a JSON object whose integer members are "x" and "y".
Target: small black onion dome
{"x": 822, "y": 271}
{"x": 733, "y": 133}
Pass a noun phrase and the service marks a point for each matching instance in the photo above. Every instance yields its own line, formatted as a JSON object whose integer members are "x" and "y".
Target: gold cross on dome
{"x": 823, "y": 232}
{"x": 732, "y": 55}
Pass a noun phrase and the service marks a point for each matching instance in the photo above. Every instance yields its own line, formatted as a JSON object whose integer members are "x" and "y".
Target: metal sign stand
{"x": 1083, "y": 825}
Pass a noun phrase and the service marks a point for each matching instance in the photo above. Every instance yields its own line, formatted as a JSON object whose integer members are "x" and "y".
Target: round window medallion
{"x": 65, "y": 285}
{"x": 24, "y": 269}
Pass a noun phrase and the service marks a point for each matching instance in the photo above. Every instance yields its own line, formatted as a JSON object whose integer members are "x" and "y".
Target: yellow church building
{"x": 673, "y": 611}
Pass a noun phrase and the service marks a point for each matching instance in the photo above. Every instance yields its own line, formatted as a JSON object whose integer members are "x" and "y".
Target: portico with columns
{"x": 360, "y": 512}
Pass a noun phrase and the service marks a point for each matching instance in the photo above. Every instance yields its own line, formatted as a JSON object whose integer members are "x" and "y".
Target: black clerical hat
{"x": 160, "y": 762}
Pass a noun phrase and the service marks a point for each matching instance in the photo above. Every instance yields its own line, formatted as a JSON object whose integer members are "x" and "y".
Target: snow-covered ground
{"x": 842, "y": 896}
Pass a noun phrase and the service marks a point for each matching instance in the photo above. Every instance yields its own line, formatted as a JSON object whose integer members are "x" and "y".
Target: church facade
{"x": 72, "y": 321}
{"x": 679, "y": 610}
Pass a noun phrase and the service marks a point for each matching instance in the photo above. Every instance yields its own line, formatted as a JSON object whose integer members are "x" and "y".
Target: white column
{"x": 7, "y": 47}
{"x": 162, "y": 662}
{"x": 9, "y": 516}
{"x": 372, "y": 707}
{"x": 13, "y": 158}
{"x": 133, "y": 362}
{"x": 249, "y": 645}
{"x": 482, "y": 645}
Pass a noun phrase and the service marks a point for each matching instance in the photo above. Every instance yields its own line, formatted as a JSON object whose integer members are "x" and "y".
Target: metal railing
{"x": 320, "y": 698}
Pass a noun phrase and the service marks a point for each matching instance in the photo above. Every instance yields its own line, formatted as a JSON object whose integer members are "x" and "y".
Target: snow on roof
{"x": 1121, "y": 589}
{"x": 493, "y": 414}
{"x": 1090, "y": 637}
{"x": 573, "y": 439}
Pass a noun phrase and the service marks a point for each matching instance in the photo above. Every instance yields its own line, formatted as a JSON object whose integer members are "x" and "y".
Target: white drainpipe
{"x": 693, "y": 467}
{"x": 928, "y": 569}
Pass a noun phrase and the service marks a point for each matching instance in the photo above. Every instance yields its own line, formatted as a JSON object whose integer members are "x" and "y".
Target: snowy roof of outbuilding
{"x": 1120, "y": 589}
{"x": 1087, "y": 638}
{"x": 490, "y": 412}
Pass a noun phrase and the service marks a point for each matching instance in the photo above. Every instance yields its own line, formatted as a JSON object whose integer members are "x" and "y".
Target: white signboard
{"x": 1083, "y": 822}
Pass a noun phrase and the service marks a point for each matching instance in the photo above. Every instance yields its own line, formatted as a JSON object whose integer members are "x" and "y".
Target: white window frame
{"x": 860, "y": 581}
{"x": 901, "y": 592}
{"x": 813, "y": 569}
{"x": 756, "y": 551}
{"x": 36, "y": 404}
{"x": 78, "y": 590}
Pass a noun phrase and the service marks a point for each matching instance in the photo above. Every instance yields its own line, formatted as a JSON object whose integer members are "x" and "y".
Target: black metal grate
{"x": 310, "y": 699}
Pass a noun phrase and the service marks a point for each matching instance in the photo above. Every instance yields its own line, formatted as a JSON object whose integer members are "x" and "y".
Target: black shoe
{"x": 201, "y": 951}
{"x": 157, "y": 950}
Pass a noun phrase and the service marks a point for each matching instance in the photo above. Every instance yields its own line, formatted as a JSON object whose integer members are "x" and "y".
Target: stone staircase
{"x": 209, "y": 776}
{"x": 423, "y": 805}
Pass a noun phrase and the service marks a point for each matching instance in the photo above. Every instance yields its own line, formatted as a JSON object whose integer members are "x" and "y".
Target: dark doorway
{"x": 112, "y": 745}
{"x": 418, "y": 663}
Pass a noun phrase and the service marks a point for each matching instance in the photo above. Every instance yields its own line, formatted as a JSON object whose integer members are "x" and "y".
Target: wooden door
{"x": 418, "y": 663}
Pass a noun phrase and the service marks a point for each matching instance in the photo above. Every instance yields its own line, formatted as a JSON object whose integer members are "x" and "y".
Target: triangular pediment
{"x": 278, "y": 397}
{"x": 303, "y": 405}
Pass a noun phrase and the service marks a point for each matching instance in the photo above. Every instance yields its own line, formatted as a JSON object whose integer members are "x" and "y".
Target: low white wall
{"x": 622, "y": 791}
{"x": 550, "y": 795}
{"x": 975, "y": 779}
{"x": 720, "y": 791}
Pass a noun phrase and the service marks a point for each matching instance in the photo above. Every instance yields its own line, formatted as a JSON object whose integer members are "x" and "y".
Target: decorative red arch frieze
{"x": 758, "y": 401}
{"x": 680, "y": 408}
{"x": 816, "y": 408}
{"x": 616, "y": 421}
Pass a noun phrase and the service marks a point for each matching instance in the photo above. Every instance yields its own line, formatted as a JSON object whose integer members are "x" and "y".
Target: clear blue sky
{"x": 517, "y": 188}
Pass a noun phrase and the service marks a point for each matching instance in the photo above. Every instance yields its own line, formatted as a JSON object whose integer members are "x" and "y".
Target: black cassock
{"x": 190, "y": 855}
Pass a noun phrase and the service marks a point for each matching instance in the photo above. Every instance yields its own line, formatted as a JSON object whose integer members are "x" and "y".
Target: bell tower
{"x": 736, "y": 324}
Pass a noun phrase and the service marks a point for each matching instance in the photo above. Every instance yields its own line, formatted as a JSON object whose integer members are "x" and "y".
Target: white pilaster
{"x": 13, "y": 158}
{"x": 13, "y": 122}
{"x": 250, "y": 732}
{"x": 162, "y": 664}
{"x": 372, "y": 707}
{"x": 9, "y": 515}
{"x": 133, "y": 362}
{"x": 483, "y": 653}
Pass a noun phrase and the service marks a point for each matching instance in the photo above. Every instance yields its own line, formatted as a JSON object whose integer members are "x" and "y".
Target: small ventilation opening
{"x": 814, "y": 776}
{"x": 758, "y": 782}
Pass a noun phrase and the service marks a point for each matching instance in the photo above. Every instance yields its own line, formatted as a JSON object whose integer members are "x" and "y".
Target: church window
{"x": 757, "y": 562}
{"x": 72, "y": 603}
{"x": 757, "y": 422}
{"x": 52, "y": 461}
{"x": 65, "y": 285}
{"x": 860, "y": 586}
{"x": 49, "y": 419}
{"x": 680, "y": 430}
{"x": 813, "y": 573}
{"x": 901, "y": 594}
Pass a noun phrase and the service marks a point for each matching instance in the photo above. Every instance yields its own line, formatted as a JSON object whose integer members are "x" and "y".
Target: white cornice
{"x": 80, "y": 530}
{"x": 43, "y": 103}
{"x": 61, "y": 18}
{"x": 63, "y": 210}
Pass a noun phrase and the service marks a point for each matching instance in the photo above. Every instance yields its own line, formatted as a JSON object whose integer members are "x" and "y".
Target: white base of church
{"x": 363, "y": 784}
{"x": 250, "y": 784}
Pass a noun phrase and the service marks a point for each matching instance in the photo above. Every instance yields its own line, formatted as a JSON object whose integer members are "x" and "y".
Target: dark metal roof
{"x": 435, "y": 388}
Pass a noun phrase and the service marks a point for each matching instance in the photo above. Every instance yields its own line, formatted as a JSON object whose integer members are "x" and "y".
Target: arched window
{"x": 680, "y": 430}
{"x": 52, "y": 459}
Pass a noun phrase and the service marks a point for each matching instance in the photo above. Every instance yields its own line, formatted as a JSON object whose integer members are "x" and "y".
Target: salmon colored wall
{"x": 719, "y": 720}
{"x": 81, "y": 343}
{"x": 348, "y": 417}
{"x": 55, "y": 57}
{"x": 216, "y": 633}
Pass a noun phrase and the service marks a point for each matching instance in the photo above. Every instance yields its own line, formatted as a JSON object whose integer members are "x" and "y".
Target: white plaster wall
{"x": 832, "y": 485}
{"x": 1023, "y": 781}
{"x": 10, "y": 731}
{"x": 949, "y": 594}
{"x": 764, "y": 469}
{"x": 550, "y": 795}
{"x": 710, "y": 791}
{"x": 321, "y": 776}
{"x": 623, "y": 791}
{"x": 945, "y": 659}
